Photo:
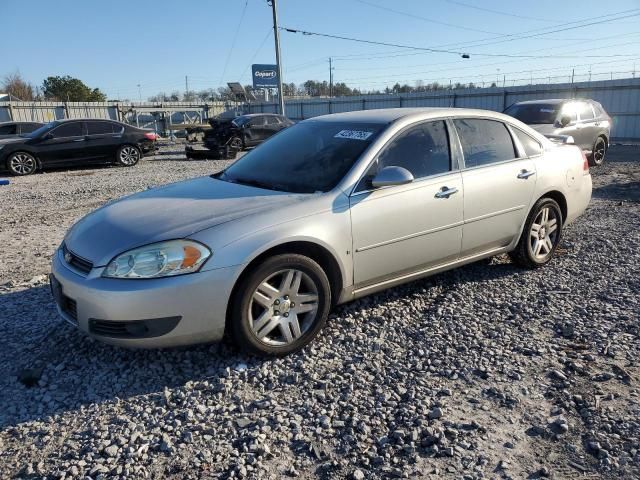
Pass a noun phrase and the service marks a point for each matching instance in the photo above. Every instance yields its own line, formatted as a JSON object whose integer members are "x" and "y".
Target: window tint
{"x": 29, "y": 127}
{"x": 99, "y": 128}
{"x": 484, "y": 142}
{"x": 72, "y": 129}
{"x": 256, "y": 122}
{"x": 534, "y": 113}
{"x": 531, "y": 145}
{"x": 586, "y": 113}
{"x": 272, "y": 121}
{"x": 423, "y": 150}
{"x": 8, "y": 129}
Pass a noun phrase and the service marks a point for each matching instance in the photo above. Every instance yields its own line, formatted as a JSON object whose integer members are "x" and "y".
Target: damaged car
{"x": 227, "y": 136}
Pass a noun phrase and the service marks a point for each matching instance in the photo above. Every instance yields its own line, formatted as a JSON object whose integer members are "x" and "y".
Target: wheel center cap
{"x": 543, "y": 233}
{"x": 285, "y": 306}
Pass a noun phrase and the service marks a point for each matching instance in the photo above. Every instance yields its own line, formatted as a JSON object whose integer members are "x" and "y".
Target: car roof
{"x": 388, "y": 115}
{"x": 249, "y": 115}
{"x": 20, "y": 122}
{"x": 553, "y": 101}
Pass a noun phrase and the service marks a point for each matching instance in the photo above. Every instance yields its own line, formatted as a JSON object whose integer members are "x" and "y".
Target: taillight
{"x": 150, "y": 136}
{"x": 585, "y": 163}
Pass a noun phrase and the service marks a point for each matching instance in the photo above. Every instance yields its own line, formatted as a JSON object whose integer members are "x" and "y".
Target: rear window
{"x": 99, "y": 128}
{"x": 484, "y": 142}
{"x": 534, "y": 113}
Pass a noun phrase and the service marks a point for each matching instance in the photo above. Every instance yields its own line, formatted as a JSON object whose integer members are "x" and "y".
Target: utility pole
{"x": 330, "y": 79}
{"x": 139, "y": 93}
{"x": 186, "y": 86}
{"x": 573, "y": 72}
{"x": 276, "y": 36}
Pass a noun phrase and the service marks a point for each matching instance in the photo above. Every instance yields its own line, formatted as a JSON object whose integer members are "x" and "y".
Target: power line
{"x": 434, "y": 50}
{"x": 497, "y": 12}
{"x": 233, "y": 43}
{"x": 256, "y": 53}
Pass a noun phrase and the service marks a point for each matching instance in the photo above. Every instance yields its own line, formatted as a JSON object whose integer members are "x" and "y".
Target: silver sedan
{"x": 329, "y": 210}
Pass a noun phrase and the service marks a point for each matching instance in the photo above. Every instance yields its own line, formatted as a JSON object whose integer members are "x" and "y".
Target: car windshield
{"x": 238, "y": 122}
{"x": 39, "y": 131}
{"x": 534, "y": 113}
{"x": 308, "y": 157}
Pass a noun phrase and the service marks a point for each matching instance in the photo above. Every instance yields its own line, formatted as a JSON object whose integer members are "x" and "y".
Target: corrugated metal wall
{"x": 620, "y": 98}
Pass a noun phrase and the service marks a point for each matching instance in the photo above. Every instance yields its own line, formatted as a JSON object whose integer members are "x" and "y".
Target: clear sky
{"x": 117, "y": 44}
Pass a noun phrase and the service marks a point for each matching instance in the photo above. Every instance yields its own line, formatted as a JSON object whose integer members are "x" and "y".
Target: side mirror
{"x": 565, "y": 120}
{"x": 48, "y": 136}
{"x": 390, "y": 176}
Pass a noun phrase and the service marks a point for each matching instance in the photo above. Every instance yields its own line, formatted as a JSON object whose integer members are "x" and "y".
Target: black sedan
{"x": 75, "y": 142}
{"x": 12, "y": 129}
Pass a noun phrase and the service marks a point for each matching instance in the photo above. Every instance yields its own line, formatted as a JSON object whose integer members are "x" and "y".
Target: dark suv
{"x": 75, "y": 142}
{"x": 584, "y": 120}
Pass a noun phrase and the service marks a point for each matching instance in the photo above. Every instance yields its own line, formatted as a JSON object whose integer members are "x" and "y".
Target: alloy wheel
{"x": 236, "y": 143}
{"x": 22, "y": 164}
{"x": 599, "y": 151}
{"x": 283, "y": 307}
{"x": 543, "y": 234}
{"x": 129, "y": 156}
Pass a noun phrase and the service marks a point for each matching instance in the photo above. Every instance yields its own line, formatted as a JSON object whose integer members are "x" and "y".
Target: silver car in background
{"x": 329, "y": 210}
{"x": 583, "y": 120}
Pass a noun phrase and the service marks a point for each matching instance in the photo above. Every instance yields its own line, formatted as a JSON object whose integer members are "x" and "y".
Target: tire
{"x": 271, "y": 319}
{"x": 21, "y": 164}
{"x": 537, "y": 237}
{"x": 598, "y": 152}
{"x": 128, "y": 155}
{"x": 236, "y": 143}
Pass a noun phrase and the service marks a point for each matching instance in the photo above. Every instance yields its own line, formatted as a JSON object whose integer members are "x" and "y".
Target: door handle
{"x": 79, "y": 140}
{"x": 446, "y": 192}
{"x": 524, "y": 174}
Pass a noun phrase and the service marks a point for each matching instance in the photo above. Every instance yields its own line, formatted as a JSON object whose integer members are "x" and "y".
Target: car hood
{"x": 7, "y": 139}
{"x": 174, "y": 211}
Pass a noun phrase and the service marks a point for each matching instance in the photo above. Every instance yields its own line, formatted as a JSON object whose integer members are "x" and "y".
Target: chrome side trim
{"x": 407, "y": 237}
{"x": 494, "y": 214}
{"x": 359, "y": 292}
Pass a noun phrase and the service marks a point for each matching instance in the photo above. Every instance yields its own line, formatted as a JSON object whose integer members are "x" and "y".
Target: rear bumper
{"x": 164, "y": 312}
{"x": 579, "y": 200}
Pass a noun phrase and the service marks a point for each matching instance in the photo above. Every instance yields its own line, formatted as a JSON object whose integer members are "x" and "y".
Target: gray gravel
{"x": 487, "y": 371}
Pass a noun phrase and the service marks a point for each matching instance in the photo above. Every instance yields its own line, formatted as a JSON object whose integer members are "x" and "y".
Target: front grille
{"x": 69, "y": 306}
{"x": 108, "y": 328}
{"x": 75, "y": 261}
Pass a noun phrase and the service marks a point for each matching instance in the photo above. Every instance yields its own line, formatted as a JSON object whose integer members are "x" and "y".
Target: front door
{"x": 406, "y": 228}
{"x": 498, "y": 185}
{"x": 63, "y": 145}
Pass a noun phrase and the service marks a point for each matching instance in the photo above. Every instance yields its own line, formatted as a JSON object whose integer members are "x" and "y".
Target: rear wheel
{"x": 281, "y": 306}
{"x": 128, "y": 155}
{"x": 541, "y": 235}
{"x": 22, "y": 163}
{"x": 598, "y": 152}
{"x": 236, "y": 143}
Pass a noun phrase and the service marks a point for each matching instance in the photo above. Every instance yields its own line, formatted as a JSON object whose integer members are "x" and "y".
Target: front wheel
{"x": 598, "y": 152}
{"x": 281, "y": 306}
{"x": 22, "y": 163}
{"x": 128, "y": 155}
{"x": 541, "y": 235}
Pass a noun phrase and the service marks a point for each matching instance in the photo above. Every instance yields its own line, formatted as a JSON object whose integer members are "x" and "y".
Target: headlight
{"x": 164, "y": 259}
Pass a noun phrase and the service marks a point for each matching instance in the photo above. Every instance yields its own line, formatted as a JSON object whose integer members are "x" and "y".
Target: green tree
{"x": 70, "y": 89}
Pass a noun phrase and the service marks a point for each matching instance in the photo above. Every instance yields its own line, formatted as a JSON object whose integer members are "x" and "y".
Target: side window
{"x": 423, "y": 150}
{"x": 28, "y": 127}
{"x": 272, "y": 121}
{"x": 530, "y": 144}
{"x": 585, "y": 111}
{"x": 484, "y": 142}
{"x": 569, "y": 110}
{"x": 256, "y": 122}
{"x": 99, "y": 128}
{"x": 71, "y": 129}
{"x": 8, "y": 129}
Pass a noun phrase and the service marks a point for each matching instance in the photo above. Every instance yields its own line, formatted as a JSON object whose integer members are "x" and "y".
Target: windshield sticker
{"x": 547, "y": 110}
{"x": 353, "y": 134}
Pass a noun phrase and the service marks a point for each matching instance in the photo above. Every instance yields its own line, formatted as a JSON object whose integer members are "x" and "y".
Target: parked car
{"x": 75, "y": 142}
{"x": 583, "y": 120}
{"x": 12, "y": 129}
{"x": 227, "y": 136}
{"x": 332, "y": 209}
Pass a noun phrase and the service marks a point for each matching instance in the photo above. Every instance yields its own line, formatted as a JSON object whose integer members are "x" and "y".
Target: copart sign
{"x": 264, "y": 76}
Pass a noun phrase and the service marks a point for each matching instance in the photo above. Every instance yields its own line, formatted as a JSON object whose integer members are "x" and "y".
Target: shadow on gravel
{"x": 77, "y": 371}
{"x": 628, "y": 191}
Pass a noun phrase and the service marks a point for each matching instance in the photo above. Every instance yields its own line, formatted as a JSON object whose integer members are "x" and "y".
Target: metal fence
{"x": 162, "y": 117}
{"x": 620, "y": 98}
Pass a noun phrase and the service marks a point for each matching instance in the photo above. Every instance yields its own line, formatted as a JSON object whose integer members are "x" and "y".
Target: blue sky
{"x": 119, "y": 44}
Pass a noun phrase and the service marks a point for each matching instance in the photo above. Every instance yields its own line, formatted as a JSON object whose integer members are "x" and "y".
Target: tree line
{"x": 54, "y": 88}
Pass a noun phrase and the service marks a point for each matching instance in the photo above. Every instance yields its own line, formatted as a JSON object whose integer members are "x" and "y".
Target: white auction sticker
{"x": 353, "y": 134}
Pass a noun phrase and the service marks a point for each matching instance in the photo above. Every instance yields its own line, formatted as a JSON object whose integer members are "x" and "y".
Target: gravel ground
{"x": 487, "y": 371}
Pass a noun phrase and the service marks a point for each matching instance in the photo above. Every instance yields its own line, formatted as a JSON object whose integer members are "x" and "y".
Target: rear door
{"x": 65, "y": 144}
{"x": 406, "y": 228}
{"x": 102, "y": 141}
{"x": 272, "y": 126}
{"x": 588, "y": 130}
{"x": 499, "y": 183}
{"x": 255, "y": 130}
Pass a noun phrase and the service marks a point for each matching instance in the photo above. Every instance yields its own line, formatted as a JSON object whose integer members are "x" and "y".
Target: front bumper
{"x": 181, "y": 310}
